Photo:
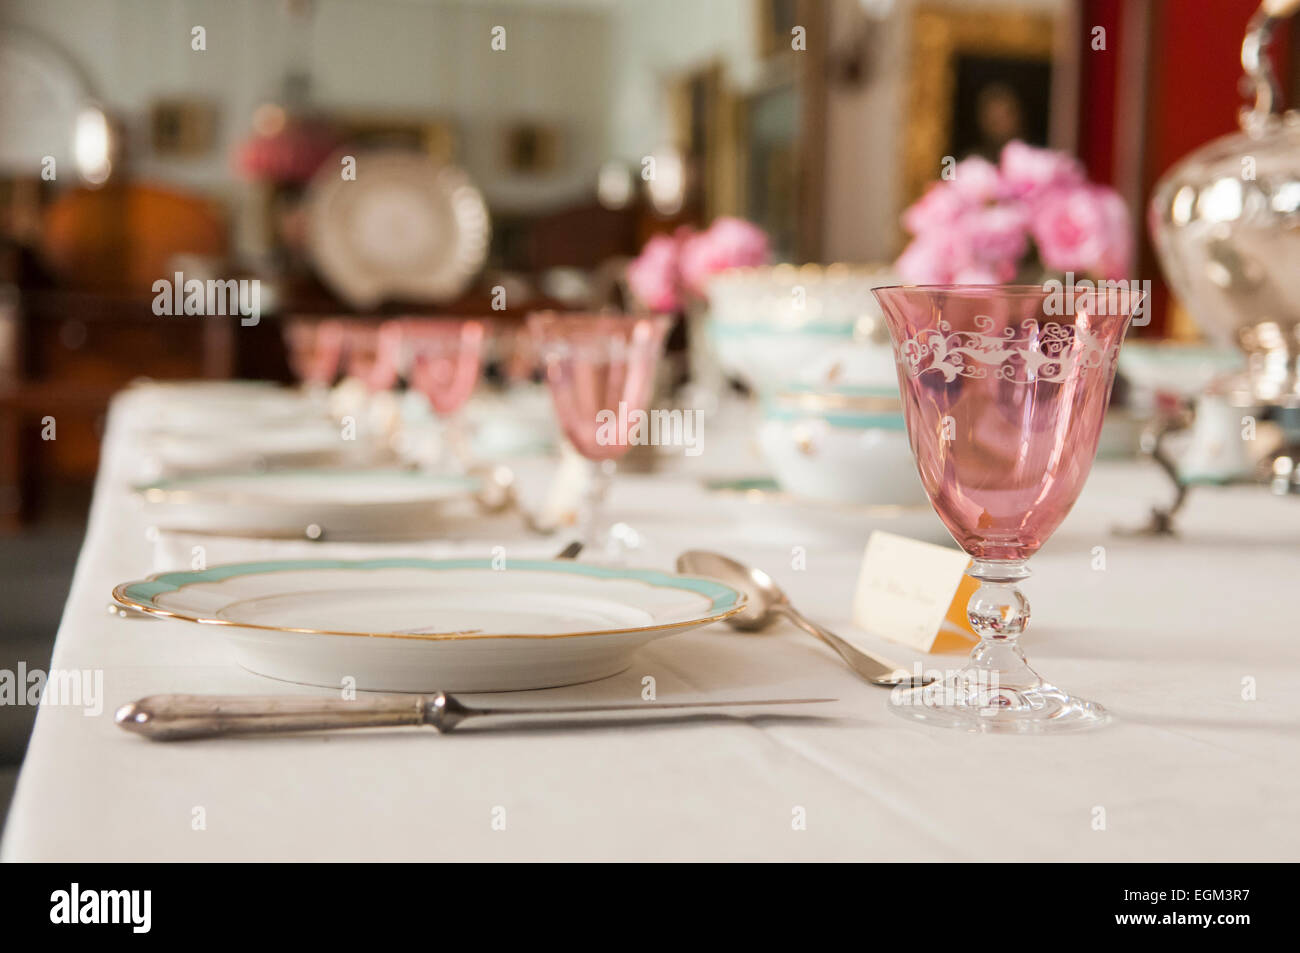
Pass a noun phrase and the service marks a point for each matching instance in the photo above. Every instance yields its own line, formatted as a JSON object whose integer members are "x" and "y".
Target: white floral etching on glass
{"x": 1024, "y": 354}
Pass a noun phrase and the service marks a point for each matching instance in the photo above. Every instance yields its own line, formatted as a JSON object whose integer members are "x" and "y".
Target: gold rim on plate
{"x": 120, "y": 596}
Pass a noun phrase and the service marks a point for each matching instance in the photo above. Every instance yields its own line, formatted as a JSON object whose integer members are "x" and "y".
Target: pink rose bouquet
{"x": 1032, "y": 213}
{"x": 674, "y": 268}
{"x": 652, "y": 275}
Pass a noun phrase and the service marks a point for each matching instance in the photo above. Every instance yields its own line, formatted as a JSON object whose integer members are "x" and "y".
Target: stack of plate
{"x": 191, "y": 426}
{"x": 218, "y": 406}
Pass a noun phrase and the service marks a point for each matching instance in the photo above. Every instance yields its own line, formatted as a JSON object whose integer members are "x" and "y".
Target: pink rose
{"x": 999, "y": 235}
{"x": 727, "y": 243}
{"x": 943, "y": 257}
{"x": 936, "y": 209}
{"x": 1117, "y": 258}
{"x": 976, "y": 180}
{"x": 926, "y": 260}
{"x": 1085, "y": 229}
{"x": 652, "y": 275}
{"x": 981, "y": 275}
{"x": 975, "y": 228}
{"x": 983, "y": 246}
{"x": 1027, "y": 171}
{"x": 951, "y": 259}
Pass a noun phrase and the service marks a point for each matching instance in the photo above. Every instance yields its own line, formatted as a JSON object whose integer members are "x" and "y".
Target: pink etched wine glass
{"x": 1004, "y": 392}
{"x": 600, "y": 370}
{"x": 316, "y": 351}
{"x": 444, "y": 357}
{"x": 374, "y": 354}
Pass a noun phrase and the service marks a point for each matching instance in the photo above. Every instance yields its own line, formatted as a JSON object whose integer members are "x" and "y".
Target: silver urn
{"x": 1226, "y": 224}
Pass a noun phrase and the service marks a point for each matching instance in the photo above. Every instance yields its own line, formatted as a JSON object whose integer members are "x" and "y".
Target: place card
{"x": 915, "y": 593}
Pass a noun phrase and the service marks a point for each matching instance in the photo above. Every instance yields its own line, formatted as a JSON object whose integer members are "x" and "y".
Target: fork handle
{"x": 870, "y": 667}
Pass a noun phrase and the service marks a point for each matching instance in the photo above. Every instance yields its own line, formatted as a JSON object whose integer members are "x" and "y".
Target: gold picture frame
{"x": 182, "y": 128}
{"x": 702, "y": 110}
{"x": 775, "y": 19}
{"x": 531, "y": 148}
{"x": 768, "y": 179}
{"x": 434, "y": 136}
{"x": 941, "y": 35}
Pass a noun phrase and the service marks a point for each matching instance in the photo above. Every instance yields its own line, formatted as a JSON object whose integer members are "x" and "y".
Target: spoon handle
{"x": 874, "y": 669}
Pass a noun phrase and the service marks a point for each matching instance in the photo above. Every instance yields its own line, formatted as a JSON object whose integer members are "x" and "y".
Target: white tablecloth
{"x": 1163, "y": 636}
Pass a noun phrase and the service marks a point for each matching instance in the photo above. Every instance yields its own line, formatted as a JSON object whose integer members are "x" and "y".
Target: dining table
{"x": 1191, "y": 641}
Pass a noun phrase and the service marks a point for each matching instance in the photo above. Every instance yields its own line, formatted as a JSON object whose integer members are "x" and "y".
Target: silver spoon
{"x": 767, "y": 601}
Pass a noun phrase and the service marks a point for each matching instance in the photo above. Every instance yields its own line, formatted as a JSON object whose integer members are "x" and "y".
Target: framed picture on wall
{"x": 531, "y": 148}
{"x": 759, "y": 154}
{"x": 769, "y": 125}
{"x": 776, "y": 20}
{"x": 182, "y": 128}
{"x": 979, "y": 77}
{"x": 433, "y": 136}
{"x": 702, "y": 110}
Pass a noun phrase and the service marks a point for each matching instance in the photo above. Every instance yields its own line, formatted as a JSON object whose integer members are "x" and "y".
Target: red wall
{"x": 1097, "y": 88}
{"x": 1195, "y": 74}
{"x": 1193, "y": 56}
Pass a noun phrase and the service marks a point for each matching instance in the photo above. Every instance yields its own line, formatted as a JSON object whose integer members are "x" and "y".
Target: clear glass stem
{"x": 593, "y": 520}
{"x": 997, "y": 690}
{"x": 997, "y": 674}
{"x": 456, "y": 451}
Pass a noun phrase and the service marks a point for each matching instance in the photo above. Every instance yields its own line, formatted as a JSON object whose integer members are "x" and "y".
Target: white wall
{"x": 654, "y": 40}
{"x": 863, "y": 148}
{"x": 423, "y": 57}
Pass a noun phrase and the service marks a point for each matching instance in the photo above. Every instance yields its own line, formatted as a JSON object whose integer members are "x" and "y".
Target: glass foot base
{"x": 616, "y": 545}
{"x": 1041, "y": 709}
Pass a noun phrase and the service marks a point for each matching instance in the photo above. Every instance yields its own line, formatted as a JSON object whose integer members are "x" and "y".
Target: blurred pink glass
{"x": 1004, "y": 391}
{"x": 444, "y": 357}
{"x": 516, "y": 354}
{"x": 599, "y": 368}
{"x": 374, "y": 354}
{"x": 315, "y": 350}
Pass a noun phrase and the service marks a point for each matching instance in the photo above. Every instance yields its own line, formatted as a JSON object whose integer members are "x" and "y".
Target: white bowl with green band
{"x": 770, "y": 323}
{"x": 847, "y": 445}
{"x": 420, "y": 625}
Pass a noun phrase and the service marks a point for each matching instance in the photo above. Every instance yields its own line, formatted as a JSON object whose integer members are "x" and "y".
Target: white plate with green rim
{"x": 257, "y": 444}
{"x": 421, "y": 625}
{"x": 334, "y": 504}
{"x": 186, "y": 407}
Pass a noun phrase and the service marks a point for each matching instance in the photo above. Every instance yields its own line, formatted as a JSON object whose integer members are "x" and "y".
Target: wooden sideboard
{"x": 67, "y": 353}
